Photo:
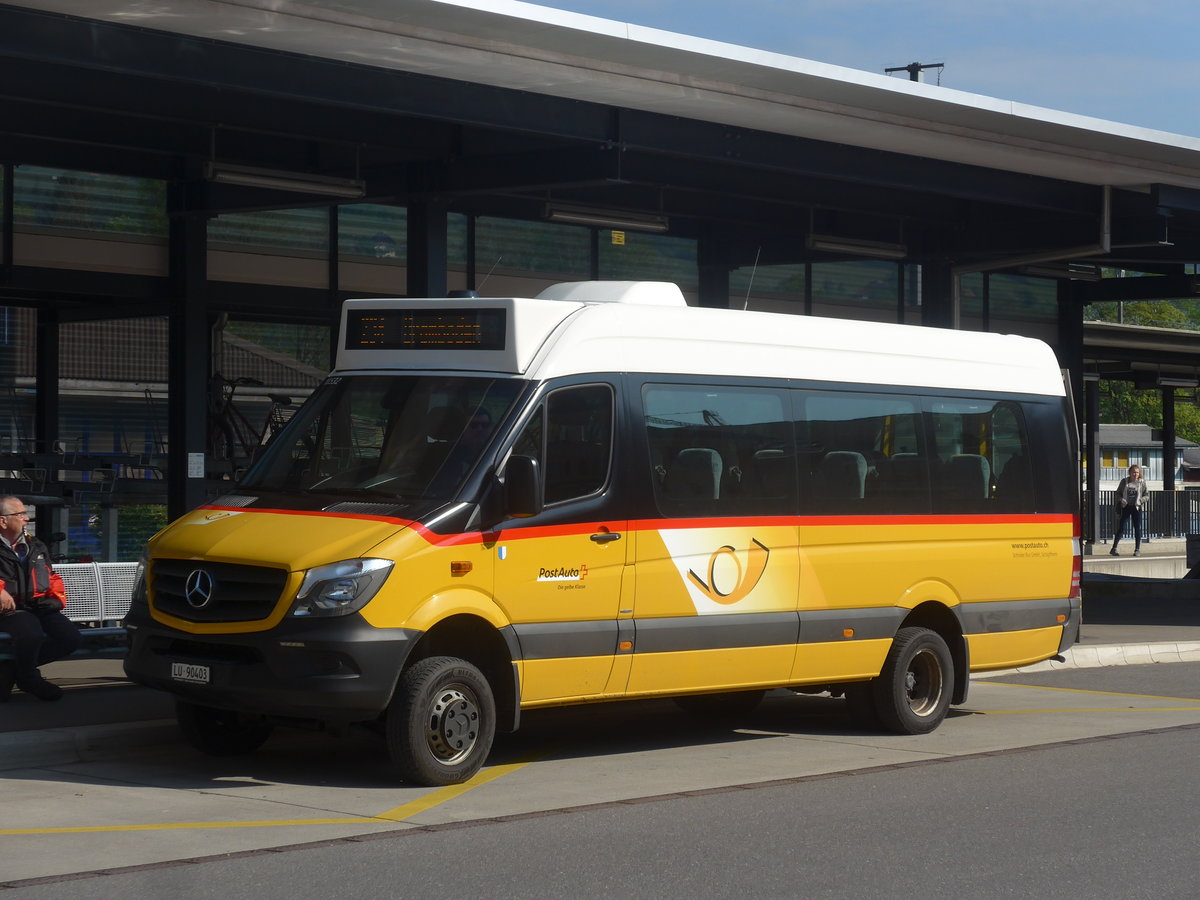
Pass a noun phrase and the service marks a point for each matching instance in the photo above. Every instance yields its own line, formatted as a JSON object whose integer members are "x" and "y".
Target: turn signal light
{"x": 460, "y": 567}
{"x": 847, "y": 632}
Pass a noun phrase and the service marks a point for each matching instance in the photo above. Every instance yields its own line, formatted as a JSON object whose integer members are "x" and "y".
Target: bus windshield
{"x": 395, "y": 437}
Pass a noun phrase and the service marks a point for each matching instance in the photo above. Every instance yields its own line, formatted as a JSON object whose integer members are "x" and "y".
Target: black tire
{"x": 722, "y": 707}
{"x": 441, "y": 722}
{"x": 221, "y": 732}
{"x": 860, "y": 702}
{"x": 912, "y": 693}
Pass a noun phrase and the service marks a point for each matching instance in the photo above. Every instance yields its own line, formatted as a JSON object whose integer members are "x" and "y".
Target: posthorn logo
{"x": 199, "y": 588}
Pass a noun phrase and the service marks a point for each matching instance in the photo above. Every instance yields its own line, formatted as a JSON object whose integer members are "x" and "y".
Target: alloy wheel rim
{"x": 453, "y": 728}
{"x": 923, "y": 683}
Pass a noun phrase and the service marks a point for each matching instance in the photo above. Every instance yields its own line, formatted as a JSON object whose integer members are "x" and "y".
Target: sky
{"x": 1126, "y": 61}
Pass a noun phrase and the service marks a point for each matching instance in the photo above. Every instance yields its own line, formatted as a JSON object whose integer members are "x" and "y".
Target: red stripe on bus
{"x": 543, "y": 531}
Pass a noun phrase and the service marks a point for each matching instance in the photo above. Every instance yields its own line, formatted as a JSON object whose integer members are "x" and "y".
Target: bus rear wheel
{"x": 441, "y": 722}
{"x": 912, "y": 693}
{"x": 220, "y": 732}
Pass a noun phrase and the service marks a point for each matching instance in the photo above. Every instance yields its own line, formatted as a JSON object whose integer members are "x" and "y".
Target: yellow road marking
{"x": 438, "y": 797}
{"x": 392, "y": 816}
{"x": 1042, "y": 687}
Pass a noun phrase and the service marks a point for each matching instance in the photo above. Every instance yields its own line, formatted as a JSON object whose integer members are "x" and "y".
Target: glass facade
{"x": 370, "y": 231}
{"x": 540, "y": 249}
{"x": 633, "y": 256}
{"x": 286, "y": 230}
{"x": 90, "y": 202}
{"x": 113, "y": 374}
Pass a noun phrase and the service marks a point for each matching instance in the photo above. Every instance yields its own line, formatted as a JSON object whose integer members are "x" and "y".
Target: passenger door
{"x": 559, "y": 573}
{"x": 715, "y": 604}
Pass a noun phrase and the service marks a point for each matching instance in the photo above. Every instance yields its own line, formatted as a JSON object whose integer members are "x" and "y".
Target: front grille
{"x": 233, "y": 500}
{"x": 238, "y": 593}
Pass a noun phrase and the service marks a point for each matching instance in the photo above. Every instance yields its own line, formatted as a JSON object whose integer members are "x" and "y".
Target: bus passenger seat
{"x": 695, "y": 473}
{"x": 968, "y": 477}
{"x": 775, "y": 471}
{"x": 841, "y": 476}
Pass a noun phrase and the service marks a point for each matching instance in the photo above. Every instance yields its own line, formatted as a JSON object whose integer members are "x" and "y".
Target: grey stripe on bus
{"x": 820, "y": 626}
{"x": 565, "y": 640}
{"x": 1010, "y": 615}
{"x": 716, "y": 632}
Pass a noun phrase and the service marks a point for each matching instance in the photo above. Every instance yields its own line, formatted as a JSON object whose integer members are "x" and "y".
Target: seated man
{"x": 32, "y": 599}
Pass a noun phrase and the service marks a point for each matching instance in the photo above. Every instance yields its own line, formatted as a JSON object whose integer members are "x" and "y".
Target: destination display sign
{"x": 451, "y": 328}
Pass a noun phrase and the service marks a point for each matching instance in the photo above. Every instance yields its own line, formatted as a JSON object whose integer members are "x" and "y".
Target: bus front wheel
{"x": 441, "y": 722}
{"x": 912, "y": 693}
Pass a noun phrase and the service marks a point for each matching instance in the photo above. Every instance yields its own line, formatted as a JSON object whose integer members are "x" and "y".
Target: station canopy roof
{"x": 507, "y": 108}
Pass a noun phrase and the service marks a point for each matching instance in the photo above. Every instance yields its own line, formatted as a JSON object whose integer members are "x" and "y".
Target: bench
{"x": 98, "y": 596}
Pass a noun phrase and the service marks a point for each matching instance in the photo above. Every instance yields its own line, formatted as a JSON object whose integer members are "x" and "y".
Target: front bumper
{"x": 334, "y": 670}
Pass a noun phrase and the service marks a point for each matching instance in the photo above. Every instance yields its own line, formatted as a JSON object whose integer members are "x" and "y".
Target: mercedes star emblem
{"x": 198, "y": 591}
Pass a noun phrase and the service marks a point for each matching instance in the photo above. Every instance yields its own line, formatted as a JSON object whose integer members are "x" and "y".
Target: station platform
{"x": 1131, "y": 616}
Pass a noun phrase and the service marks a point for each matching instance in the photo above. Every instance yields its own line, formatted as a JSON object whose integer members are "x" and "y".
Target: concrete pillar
{"x": 428, "y": 254}
{"x": 939, "y": 295}
{"x": 713, "y": 270}
{"x": 1168, "y": 452}
{"x": 1091, "y": 416}
{"x": 188, "y": 341}
{"x": 45, "y": 422}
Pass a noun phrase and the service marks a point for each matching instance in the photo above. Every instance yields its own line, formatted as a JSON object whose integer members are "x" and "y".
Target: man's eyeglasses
{"x": 16, "y": 515}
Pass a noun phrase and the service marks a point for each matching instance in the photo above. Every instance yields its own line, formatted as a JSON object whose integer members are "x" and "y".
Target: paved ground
{"x": 166, "y": 807}
{"x": 1127, "y": 621}
{"x": 102, "y": 779}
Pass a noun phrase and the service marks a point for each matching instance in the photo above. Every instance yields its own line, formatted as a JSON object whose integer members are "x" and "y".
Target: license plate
{"x": 191, "y": 673}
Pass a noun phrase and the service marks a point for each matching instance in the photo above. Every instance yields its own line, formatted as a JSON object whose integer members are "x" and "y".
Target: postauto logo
{"x": 563, "y": 573}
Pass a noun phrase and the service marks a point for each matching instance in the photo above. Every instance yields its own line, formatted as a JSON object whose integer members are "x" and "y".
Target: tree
{"x": 1151, "y": 313}
{"x": 1122, "y": 403}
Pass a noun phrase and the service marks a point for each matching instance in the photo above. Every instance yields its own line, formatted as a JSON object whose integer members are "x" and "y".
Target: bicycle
{"x": 231, "y": 437}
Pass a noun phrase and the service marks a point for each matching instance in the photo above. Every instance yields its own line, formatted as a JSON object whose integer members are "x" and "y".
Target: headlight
{"x": 138, "y": 596}
{"x": 340, "y": 588}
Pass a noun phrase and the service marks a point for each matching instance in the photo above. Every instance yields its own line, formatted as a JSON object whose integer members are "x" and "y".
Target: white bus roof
{"x": 596, "y": 327}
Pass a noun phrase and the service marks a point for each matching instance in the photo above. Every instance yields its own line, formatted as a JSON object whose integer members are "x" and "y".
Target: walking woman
{"x": 1130, "y": 494}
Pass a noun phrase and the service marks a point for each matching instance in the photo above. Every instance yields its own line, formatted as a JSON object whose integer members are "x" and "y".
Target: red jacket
{"x": 32, "y": 583}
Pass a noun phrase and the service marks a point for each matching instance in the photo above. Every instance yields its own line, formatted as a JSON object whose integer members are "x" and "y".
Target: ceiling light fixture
{"x": 855, "y": 247}
{"x": 272, "y": 179}
{"x": 607, "y": 218}
{"x": 1177, "y": 381}
{"x": 1074, "y": 271}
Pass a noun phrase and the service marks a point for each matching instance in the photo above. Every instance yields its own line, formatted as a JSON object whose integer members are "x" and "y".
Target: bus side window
{"x": 1014, "y": 483}
{"x": 579, "y": 427}
{"x": 860, "y": 453}
{"x": 984, "y": 453}
{"x": 720, "y": 450}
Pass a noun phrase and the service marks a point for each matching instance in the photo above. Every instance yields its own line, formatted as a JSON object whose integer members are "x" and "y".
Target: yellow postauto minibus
{"x": 495, "y": 505}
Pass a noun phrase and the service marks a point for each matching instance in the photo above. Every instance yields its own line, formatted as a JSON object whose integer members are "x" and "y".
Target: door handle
{"x": 605, "y": 537}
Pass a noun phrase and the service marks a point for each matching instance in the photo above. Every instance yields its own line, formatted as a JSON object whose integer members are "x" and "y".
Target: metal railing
{"x": 1164, "y": 514}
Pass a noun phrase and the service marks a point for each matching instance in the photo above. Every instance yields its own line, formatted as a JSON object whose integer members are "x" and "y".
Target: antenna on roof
{"x": 489, "y": 274}
{"x": 757, "y": 254}
{"x": 914, "y": 70}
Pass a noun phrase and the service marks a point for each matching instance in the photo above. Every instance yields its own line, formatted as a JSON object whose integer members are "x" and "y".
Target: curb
{"x": 1103, "y": 655}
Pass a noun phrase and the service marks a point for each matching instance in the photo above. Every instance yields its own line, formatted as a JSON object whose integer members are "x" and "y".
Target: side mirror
{"x": 522, "y": 487}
